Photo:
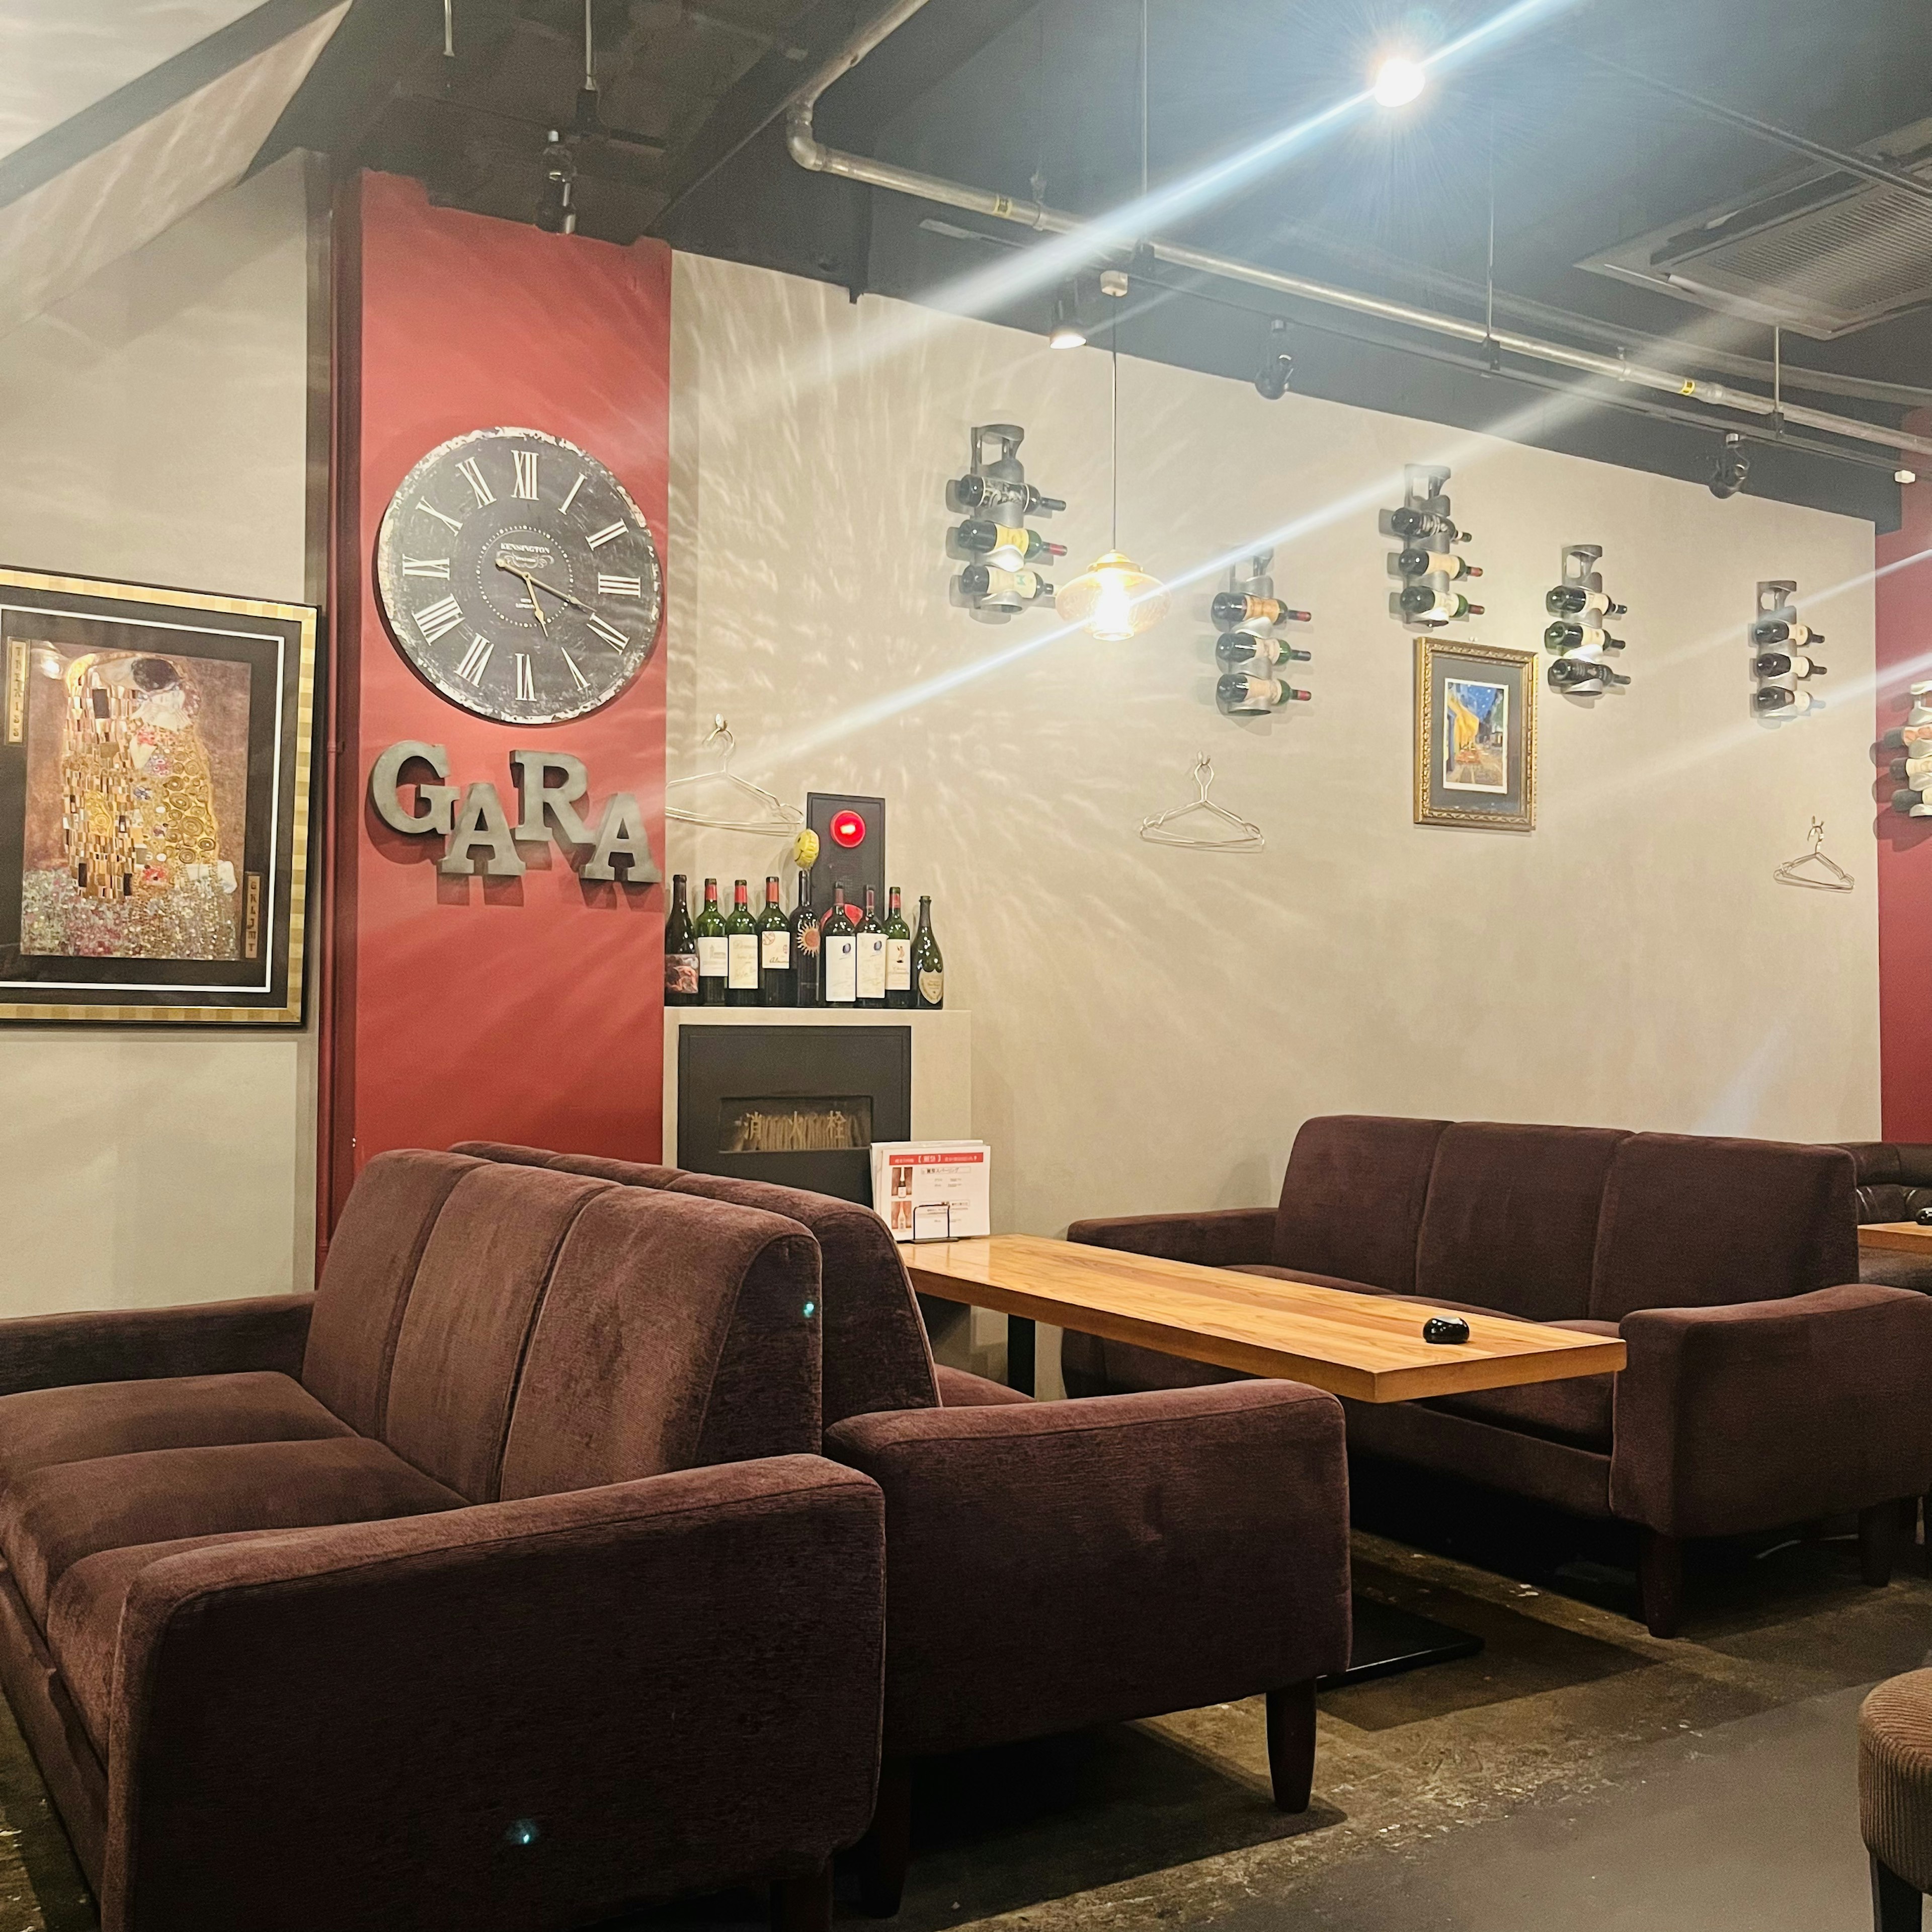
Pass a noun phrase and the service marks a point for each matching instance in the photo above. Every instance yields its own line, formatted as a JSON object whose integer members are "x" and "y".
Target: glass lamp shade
{"x": 1113, "y": 600}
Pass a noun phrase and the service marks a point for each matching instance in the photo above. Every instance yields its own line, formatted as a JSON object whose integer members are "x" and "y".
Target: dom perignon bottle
{"x": 838, "y": 952}
{"x": 1416, "y": 524}
{"x": 1236, "y": 607}
{"x": 1583, "y": 674}
{"x": 1786, "y": 664}
{"x": 804, "y": 953}
{"x": 712, "y": 953}
{"x": 1562, "y": 637}
{"x": 1237, "y": 650}
{"x": 1576, "y": 600}
{"x": 1241, "y": 693}
{"x": 1001, "y": 542}
{"x": 1416, "y": 562}
{"x": 741, "y": 950}
{"x": 899, "y": 953}
{"x": 872, "y": 970}
{"x": 776, "y": 987}
{"x": 928, "y": 967}
{"x": 680, "y": 950}
{"x": 1777, "y": 631}
{"x": 1421, "y": 600}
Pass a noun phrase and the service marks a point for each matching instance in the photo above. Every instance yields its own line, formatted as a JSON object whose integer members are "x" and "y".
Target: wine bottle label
{"x": 807, "y": 937}
{"x": 932, "y": 989}
{"x": 898, "y": 965}
{"x": 741, "y": 961}
{"x": 711, "y": 957}
{"x": 681, "y": 973}
{"x": 774, "y": 951}
{"x": 872, "y": 968}
{"x": 841, "y": 969}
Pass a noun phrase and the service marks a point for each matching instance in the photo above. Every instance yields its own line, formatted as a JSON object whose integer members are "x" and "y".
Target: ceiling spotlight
{"x": 556, "y": 211}
{"x": 1066, "y": 332}
{"x": 1398, "y": 81}
{"x": 1905, "y": 476}
{"x": 1732, "y": 465}
{"x": 1277, "y": 369}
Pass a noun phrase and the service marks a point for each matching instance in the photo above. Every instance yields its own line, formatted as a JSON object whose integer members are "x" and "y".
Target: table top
{"x": 1902, "y": 1237}
{"x": 1367, "y": 1346}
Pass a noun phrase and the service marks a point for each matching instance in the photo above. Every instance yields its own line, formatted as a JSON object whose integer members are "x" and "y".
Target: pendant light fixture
{"x": 1114, "y": 599}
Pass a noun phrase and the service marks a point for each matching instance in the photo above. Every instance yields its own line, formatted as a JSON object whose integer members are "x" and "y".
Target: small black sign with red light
{"x": 851, "y": 849}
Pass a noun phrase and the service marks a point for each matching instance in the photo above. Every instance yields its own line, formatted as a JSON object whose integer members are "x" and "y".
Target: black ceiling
{"x": 993, "y": 92}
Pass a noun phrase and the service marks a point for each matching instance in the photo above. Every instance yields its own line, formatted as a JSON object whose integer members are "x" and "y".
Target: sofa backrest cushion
{"x": 1352, "y": 1200}
{"x": 373, "y": 1257}
{"x": 469, "y": 1318}
{"x": 1690, "y": 1222}
{"x": 1511, "y": 1218}
{"x": 876, "y": 1356}
{"x": 675, "y": 1332}
{"x": 625, "y": 1173}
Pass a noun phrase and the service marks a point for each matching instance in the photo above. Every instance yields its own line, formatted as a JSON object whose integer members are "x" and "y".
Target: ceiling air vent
{"x": 1822, "y": 251}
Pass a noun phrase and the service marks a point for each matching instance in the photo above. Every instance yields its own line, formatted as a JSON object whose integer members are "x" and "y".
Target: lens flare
{"x": 1398, "y": 81}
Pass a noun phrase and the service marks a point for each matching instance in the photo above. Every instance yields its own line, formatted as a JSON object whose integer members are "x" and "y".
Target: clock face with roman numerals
{"x": 518, "y": 576}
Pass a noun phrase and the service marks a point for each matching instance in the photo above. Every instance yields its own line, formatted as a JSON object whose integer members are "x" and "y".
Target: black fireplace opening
{"x": 800, "y": 1105}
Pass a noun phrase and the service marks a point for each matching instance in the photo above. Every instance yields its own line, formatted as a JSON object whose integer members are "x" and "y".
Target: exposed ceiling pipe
{"x": 809, "y": 152}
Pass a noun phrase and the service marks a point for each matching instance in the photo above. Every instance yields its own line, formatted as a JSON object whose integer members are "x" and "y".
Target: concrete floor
{"x": 1578, "y": 1772}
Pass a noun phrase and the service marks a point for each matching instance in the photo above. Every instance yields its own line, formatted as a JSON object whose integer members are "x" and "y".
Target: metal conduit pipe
{"x": 810, "y": 153}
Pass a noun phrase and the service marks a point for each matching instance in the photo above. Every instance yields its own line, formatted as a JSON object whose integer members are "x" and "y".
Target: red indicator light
{"x": 847, "y": 829}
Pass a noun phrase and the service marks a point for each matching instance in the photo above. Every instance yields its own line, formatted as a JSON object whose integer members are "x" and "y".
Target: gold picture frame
{"x": 1475, "y": 735}
{"x": 156, "y": 751}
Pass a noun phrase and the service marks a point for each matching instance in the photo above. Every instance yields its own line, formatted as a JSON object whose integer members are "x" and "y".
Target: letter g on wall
{"x": 435, "y": 805}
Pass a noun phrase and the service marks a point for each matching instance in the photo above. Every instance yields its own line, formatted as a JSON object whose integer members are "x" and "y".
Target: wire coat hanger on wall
{"x": 1244, "y": 836}
{"x": 780, "y": 818}
{"x": 1789, "y": 874}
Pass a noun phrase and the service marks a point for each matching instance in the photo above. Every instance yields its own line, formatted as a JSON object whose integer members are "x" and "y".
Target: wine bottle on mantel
{"x": 680, "y": 947}
{"x": 776, "y": 987}
{"x": 838, "y": 953}
{"x": 713, "y": 958}
{"x": 741, "y": 950}
{"x": 804, "y": 953}
{"x": 871, "y": 971}
{"x": 928, "y": 967}
{"x": 899, "y": 953}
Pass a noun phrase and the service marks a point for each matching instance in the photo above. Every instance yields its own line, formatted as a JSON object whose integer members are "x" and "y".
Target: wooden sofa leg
{"x": 1659, "y": 1574}
{"x": 803, "y": 1904}
{"x": 1291, "y": 1745}
{"x": 1879, "y": 1530}
{"x": 1897, "y": 1905}
{"x": 885, "y": 1850}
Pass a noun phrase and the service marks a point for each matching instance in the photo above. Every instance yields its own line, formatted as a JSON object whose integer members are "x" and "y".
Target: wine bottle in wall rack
{"x": 776, "y": 986}
{"x": 1577, "y": 600}
{"x": 680, "y": 948}
{"x": 1416, "y": 525}
{"x": 1782, "y": 631}
{"x": 1007, "y": 545}
{"x": 989, "y": 584}
{"x": 1240, "y": 650}
{"x": 805, "y": 943}
{"x": 1785, "y": 700}
{"x": 1236, "y": 607}
{"x": 838, "y": 952}
{"x": 898, "y": 954}
{"x": 713, "y": 956}
{"x": 1785, "y": 664}
{"x": 1561, "y": 636}
{"x": 872, "y": 968}
{"x": 975, "y": 492}
{"x": 1583, "y": 674}
{"x": 1911, "y": 804}
{"x": 741, "y": 949}
{"x": 1905, "y": 737}
{"x": 1419, "y": 600}
{"x": 928, "y": 966}
{"x": 1416, "y": 562}
{"x": 1243, "y": 693}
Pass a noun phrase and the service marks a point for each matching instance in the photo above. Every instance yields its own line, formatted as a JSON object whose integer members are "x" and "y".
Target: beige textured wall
{"x": 152, "y": 426}
{"x": 1151, "y": 1026}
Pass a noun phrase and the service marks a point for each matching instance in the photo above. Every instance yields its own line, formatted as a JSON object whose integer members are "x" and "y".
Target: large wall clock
{"x": 518, "y": 576}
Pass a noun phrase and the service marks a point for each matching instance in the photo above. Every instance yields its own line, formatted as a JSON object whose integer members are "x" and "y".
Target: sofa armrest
{"x": 525, "y": 1713}
{"x": 1051, "y": 1565}
{"x": 121, "y": 1345}
{"x": 1221, "y": 1237}
{"x": 1754, "y": 1414}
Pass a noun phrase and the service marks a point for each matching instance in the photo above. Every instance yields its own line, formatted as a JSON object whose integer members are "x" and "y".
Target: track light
{"x": 1905, "y": 476}
{"x": 1732, "y": 467}
{"x": 557, "y": 214}
{"x": 1277, "y": 369}
{"x": 1066, "y": 332}
{"x": 1398, "y": 81}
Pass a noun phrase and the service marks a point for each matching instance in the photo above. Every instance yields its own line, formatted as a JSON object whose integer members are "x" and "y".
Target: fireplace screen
{"x": 788, "y": 1124}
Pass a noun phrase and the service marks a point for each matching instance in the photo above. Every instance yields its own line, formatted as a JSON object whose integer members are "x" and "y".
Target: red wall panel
{"x": 525, "y": 1009}
{"x": 1903, "y": 596}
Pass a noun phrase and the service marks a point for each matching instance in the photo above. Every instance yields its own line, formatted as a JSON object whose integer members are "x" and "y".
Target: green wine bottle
{"x": 928, "y": 965}
{"x": 871, "y": 954}
{"x": 680, "y": 949}
{"x": 776, "y": 987}
{"x": 838, "y": 953}
{"x": 899, "y": 953}
{"x": 804, "y": 943}
{"x": 712, "y": 954}
{"x": 741, "y": 952}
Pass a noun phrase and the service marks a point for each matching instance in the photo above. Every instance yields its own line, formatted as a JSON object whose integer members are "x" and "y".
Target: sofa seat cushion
{"x": 52, "y": 1519}
{"x": 1307, "y": 1275}
{"x": 957, "y": 1389}
{"x": 1576, "y": 1410}
{"x": 41, "y": 1426}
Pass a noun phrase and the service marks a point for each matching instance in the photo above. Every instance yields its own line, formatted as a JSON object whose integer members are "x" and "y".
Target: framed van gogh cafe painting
{"x": 1475, "y": 735}
{"x": 155, "y": 750}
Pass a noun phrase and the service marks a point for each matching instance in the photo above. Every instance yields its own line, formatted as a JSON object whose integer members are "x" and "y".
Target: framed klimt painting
{"x": 155, "y": 754}
{"x": 1475, "y": 735}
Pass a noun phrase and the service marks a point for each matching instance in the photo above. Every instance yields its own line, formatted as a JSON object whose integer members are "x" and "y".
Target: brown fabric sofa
{"x": 448, "y": 1597}
{"x": 1204, "y": 1530}
{"x": 1765, "y": 1385}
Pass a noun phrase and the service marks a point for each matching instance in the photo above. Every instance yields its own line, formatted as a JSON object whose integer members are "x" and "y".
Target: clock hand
{"x": 561, "y": 596}
{"x": 543, "y": 623}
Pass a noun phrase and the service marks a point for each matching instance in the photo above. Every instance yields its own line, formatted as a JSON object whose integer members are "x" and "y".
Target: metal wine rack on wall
{"x": 1578, "y": 635}
{"x": 1002, "y": 560}
{"x": 1781, "y": 660}
{"x": 1431, "y": 574}
{"x": 1910, "y": 745}
{"x": 1252, "y": 654}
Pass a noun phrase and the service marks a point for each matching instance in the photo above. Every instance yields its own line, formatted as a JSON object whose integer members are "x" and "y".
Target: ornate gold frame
{"x": 1426, "y": 648}
{"x": 289, "y": 1012}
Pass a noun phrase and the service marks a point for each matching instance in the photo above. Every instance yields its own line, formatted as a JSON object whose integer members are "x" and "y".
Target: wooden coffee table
{"x": 1368, "y": 1347}
{"x": 1898, "y": 1238}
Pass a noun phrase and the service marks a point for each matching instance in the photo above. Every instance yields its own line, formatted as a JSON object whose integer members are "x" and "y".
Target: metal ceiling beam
{"x": 355, "y": 77}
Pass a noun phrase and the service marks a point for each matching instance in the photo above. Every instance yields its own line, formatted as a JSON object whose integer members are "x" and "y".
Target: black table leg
{"x": 1019, "y": 1353}
{"x": 1388, "y": 1641}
